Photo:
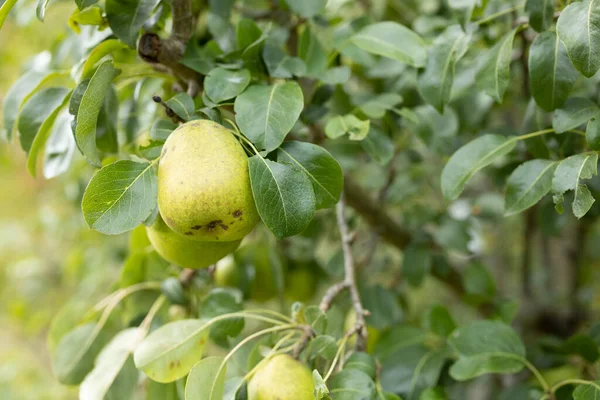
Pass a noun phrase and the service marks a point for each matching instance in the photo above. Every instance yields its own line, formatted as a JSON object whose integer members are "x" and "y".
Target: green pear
{"x": 204, "y": 185}
{"x": 183, "y": 251}
{"x": 281, "y": 378}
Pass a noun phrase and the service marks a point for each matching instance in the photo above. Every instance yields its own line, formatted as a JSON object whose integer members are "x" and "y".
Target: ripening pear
{"x": 281, "y": 378}
{"x": 183, "y": 251}
{"x": 204, "y": 185}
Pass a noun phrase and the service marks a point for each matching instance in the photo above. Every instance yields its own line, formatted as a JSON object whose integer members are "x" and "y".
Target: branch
{"x": 350, "y": 278}
{"x": 168, "y": 52}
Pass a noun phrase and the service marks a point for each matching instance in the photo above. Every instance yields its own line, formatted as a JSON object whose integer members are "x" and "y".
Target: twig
{"x": 331, "y": 294}
{"x": 350, "y": 278}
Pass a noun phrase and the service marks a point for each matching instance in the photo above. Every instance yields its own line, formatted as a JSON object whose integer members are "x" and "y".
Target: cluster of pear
{"x": 205, "y": 199}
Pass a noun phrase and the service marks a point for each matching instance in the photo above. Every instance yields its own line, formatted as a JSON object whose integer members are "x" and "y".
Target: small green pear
{"x": 204, "y": 185}
{"x": 281, "y": 378}
{"x": 183, "y": 251}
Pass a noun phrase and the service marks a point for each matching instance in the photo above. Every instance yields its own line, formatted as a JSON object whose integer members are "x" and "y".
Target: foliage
{"x": 379, "y": 136}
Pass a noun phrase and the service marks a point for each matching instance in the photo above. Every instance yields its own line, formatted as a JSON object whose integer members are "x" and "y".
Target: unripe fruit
{"x": 203, "y": 184}
{"x": 373, "y": 333}
{"x": 185, "y": 252}
{"x": 281, "y": 378}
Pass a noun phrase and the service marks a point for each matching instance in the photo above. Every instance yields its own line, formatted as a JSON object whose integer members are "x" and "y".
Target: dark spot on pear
{"x": 164, "y": 152}
{"x": 189, "y": 233}
{"x": 171, "y": 365}
{"x": 213, "y": 224}
{"x": 170, "y": 221}
{"x": 196, "y": 227}
{"x": 237, "y": 213}
{"x": 225, "y": 227}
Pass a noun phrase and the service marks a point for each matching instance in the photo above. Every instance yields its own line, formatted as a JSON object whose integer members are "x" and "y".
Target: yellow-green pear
{"x": 373, "y": 333}
{"x": 183, "y": 251}
{"x": 204, "y": 185}
{"x": 281, "y": 378}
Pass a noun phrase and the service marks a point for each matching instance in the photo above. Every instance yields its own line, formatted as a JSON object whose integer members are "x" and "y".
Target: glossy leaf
{"x": 318, "y": 164}
{"x": 578, "y": 28}
{"x": 568, "y": 175}
{"x": 592, "y": 133}
{"x": 59, "y": 147}
{"x": 551, "y": 73}
{"x": 120, "y": 196}
{"x": 113, "y": 361}
{"x": 41, "y": 107}
{"x": 5, "y": 8}
{"x": 351, "y": 384}
{"x": 486, "y": 347}
{"x": 587, "y": 392}
{"x": 494, "y": 74}
{"x": 105, "y": 48}
{"x": 541, "y": 13}
{"x": 321, "y": 390}
{"x": 183, "y": 105}
{"x": 347, "y": 124}
{"x": 376, "y": 106}
{"x": 312, "y": 52}
{"x": 222, "y": 84}
{"x": 435, "y": 82}
{"x": 220, "y": 302}
{"x": 470, "y": 158}
{"x": 527, "y": 184}
{"x": 392, "y": 40}
{"x": 203, "y": 383}
{"x": 126, "y": 18}
{"x": 575, "y": 112}
{"x": 171, "y": 351}
{"x": 89, "y": 110}
{"x": 40, "y": 10}
{"x": 284, "y": 196}
{"x": 266, "y": 114}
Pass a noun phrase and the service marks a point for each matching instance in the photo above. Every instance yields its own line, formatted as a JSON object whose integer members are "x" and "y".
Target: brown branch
{"x": 331, "y": 294}
{"x": 167, "y": 52}
{"x": 349, "y": 275}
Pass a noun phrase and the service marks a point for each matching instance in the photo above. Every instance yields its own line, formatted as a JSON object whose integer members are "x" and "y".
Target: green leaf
{"x": 584, "y": 346}
{"x": 183, "y": 105}
{"x": 111, "y": 375}
{"x": 311, "y": 51}
{"x": 378, "y": 146}
{"x": 579, "y": 29}
{"x": 281, "y": 65}
{"x": 126, "y": 18}
{"x": 203, "y": 383}
{"x": 541, "y": 13}
{"x": 89, "y": 110}
{"x": 318, "y": 164}
{"x": 307, "y": 8}
{"x": 40, "y": 10}
{"x": 392, "y": 40}
{"x": 81, "y": 4}
{"x": 43, "y": 134}
{"x": 576, "y": 111}
{"x": 120, "y": 196}
{"x": 89, "y": 16}
{"x": 470, "y": 158}
{"x": 436, "y": 393}
{"x": 463, "y": 9}
{"x": 592, "y": 133}
{"x": 383, "y": 306}
{"x": 321, "y": 390}
{"x": 551, "y": 73}
{"x": 435, "y": 82}
{"x": 376, "y": 106}
{"x": 5, "y": 8}
{"x": 161, "y": 129}
{"x": 222, "y": 84}
{"x": 105, "y": 48}
{"x": 161, "y": 391}
{"x": 590, "y": 391}
{"x": 440, "y": 321}
{"x": 351, "y": 384}
{"x": 266, "y": 114}
{"x": 494, "y": 73}
{"x": 336, "y": 75}
{"x": 531, "y": 181}
{"x": 59, "y": 147}
{"x": 416, "y": 264}
{"x": 486, "y": 347}
{"x": 74, "y": 357}
{"x": 36, "y": 111}
{"x": 15, "y": 96}
{"x": 347, "y": 124}
{"x": 567, "y": 176}
{"x": 478, "y": 282}
{"x": 363, "y": 362}
{"x": 284, "y": 196}
{"x": 170, "y": 352}
{"x": 324, "y": 346}
{"x": 220, "y": 302}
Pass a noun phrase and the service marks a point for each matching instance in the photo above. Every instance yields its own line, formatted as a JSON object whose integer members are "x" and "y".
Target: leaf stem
{"x": 534, "y": 134}
{"x": 145, "y": 325}
{"x": 499, "y": 14}
{"x": 574, "y": 381}
{"x": 536, "y": 373}
{"x": 337, "y": 356}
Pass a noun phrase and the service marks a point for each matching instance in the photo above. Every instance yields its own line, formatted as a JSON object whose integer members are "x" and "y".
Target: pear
{"x": 183, "y": 251}
{"x": 281, "y": 378}
{"x": 203, "y": 184}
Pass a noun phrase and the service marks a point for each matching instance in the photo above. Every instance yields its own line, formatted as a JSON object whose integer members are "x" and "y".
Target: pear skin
{"x": 281, "y": 378}
{"x": 185, "y": 252}
{"x": 204, "y": 185}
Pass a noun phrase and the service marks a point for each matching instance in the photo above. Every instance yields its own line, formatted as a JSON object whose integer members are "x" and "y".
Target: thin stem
{"x": 499, "y": 14}
{"x": 145, "y": 325}
{"x": 271, "y": 312}
{"x": 537, "y": 374}
{"x": 534, "y": 134}
{"x": 573, "y": 382}
{"x": 335, "y": 359}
